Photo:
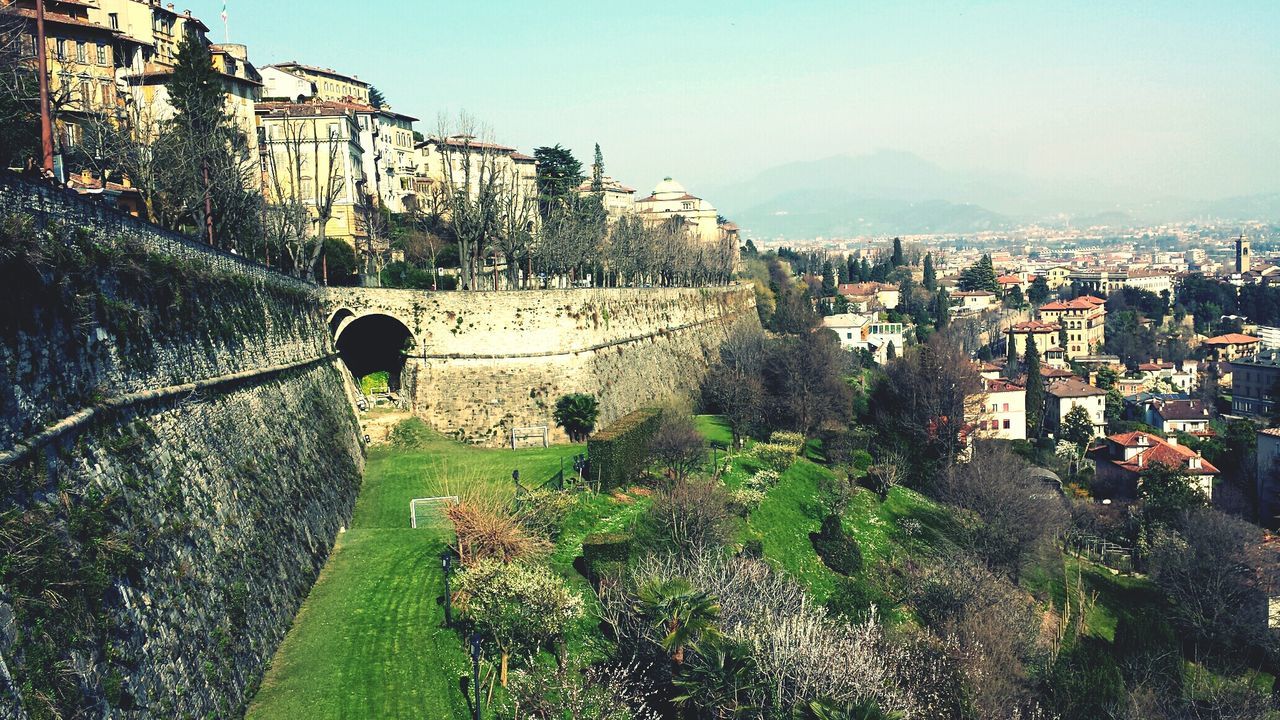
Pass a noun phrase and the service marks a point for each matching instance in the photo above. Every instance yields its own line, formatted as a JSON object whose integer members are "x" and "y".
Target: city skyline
{"x": 1147, "y": 101}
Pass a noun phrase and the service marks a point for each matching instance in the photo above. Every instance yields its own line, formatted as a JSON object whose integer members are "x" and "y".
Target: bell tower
{"x": 1244, "y": 260}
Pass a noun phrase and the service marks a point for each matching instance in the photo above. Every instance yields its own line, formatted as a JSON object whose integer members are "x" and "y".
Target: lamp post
{"x": 475, "y": 674}
{"x": 46, "y": 119}
{"x": 446, "y": 564}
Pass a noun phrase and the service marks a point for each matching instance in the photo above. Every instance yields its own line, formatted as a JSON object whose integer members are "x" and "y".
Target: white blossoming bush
{"x": 775, "y": 456}
{"x": 763, "y": 481}
{"x": 785, "y": 437}
{"x": 747, "y": 498}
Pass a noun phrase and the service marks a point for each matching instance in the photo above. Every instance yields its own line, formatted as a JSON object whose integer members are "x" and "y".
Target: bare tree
{"x": 422, "y": 247}
{"x": 517, "y": 221}
{"x": 471, "y": 191}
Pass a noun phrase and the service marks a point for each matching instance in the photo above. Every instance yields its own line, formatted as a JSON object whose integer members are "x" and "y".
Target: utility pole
{"x": 42, "y": 66}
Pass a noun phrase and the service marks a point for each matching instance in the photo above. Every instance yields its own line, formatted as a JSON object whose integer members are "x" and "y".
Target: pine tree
{"x": 980, "y": 276}
{"x": 1039, "y": 292}
{"x": 930, "y": 275}
{"x": 941, "y": 309}
{"x": 828, "y": 279}
{"x": 1035, "y": 391}
{"x": 597, "y": 171}
{"x": 376, "y": 98}
{"x": 196, "y": 90}
{"x": 897, "y": 260}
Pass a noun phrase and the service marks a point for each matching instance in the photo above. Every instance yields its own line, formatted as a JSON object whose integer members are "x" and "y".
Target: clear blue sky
{"x": 1161, "y": 97}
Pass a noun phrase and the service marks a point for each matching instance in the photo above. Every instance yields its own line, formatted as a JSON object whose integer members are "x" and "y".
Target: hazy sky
{"x": 1159, "y": 97}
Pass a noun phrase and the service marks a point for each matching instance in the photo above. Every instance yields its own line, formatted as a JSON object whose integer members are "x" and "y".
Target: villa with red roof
{"x": 1044, "y": 335}
{"x": 1231, "y": 346}
{"x": 1121, "y": 459}
{"x": 1083, "y": 320}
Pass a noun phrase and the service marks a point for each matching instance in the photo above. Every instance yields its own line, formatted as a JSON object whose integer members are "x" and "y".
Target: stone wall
{"x": 177, "y": 455}
{"x": 485, "y": 362}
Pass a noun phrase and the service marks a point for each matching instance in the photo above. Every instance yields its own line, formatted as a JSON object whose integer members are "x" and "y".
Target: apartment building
{"x": 1083, "y": 321}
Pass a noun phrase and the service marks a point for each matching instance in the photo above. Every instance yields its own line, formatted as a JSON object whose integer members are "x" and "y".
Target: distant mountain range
{"x": 889, "y": 192}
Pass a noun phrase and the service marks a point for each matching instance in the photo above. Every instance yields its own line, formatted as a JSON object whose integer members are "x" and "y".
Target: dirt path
{"x": 377, "y": 424}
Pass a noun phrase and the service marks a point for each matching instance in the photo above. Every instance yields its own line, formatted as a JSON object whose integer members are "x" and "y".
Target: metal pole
{"x": 475, "y": 673}
{"x": 42, "y": 66}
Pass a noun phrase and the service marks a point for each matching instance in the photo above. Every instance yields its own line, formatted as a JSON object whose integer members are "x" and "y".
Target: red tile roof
{"x": 1159, "y": 451}
{"x": 1231, "y": 339}
{"x": 1033, "y": 326}
{"x": 1071, "y": 387}
{"x": 1085, "y": 302}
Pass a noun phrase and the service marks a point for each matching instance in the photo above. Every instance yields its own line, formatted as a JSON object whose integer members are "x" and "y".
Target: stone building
{"x": 1254, "y": 379}
{"x": 1062, "y": 395}
{"x": 669, "y": 202}
{"x": 286, "y": 78}
{"x": 1083, "y": 320}
{"x": 618, "y": 199}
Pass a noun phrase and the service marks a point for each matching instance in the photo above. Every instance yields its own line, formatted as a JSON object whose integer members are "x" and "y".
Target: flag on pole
{"x": 226, "y": 30}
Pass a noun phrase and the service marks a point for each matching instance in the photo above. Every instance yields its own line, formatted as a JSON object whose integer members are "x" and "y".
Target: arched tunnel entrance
{"x": 371, "y": 344}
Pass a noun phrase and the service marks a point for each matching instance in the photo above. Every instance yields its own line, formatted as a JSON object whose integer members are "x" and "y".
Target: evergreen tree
{"x": 1014, "y": 299}
{"x": 941, "y": 309}
{"x": 828, "y": 279}
{"x": 597, "y": 171}
{"x": 890, "y": 352}
{"x": 842, "y": 273}
{"x": 897, "y": 260}
{"x": 1035, "y": 391}
{"x": 1039, "y": 291}
{"x": 851, "y": 269}
{"x": 376, "y": 98}
{"x": 980, "y": 276}
{"x": 864, "y": 271}
{"x": 930, "y": 274}
{"x": 559, "y": 175}
{"x": 196, "y": 89}
{"x": 1011, "y": 359}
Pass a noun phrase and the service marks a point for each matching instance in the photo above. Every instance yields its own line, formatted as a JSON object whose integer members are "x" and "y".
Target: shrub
{"x": 577, "y": 413}
{"x": 837, "y": 548}
{"x": 619, "y": 453}
{"x": 793, "y": 440}
{"x": 764, "y": 481}
{"x": 691, "y": 518}
{"x": 775, "y": 456}
{"x": 543, "y": 511}
{"x": 852, "y": 599}
{"x": 605, "y": 554}
{"x": 860, "y": 459}
{"x": 746, "y": 499}
{"x": 488, "y": 533}
{"x": 1086, "y": 683}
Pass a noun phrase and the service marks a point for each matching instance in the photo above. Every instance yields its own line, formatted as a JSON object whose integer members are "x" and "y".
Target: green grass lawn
{"x": 369, "y": 642}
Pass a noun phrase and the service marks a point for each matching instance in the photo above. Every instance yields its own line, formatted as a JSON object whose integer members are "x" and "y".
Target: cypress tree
{"x": 1011, "y": 361}
{"x": 897, "y": 260}
{"x": 1035, "y": 391}
{"x": 941, "y": 309}
{"x": 930, "y": 275}
{"x": 864, "y": 271}
{"x": 597, "y": 171}
{"x": 828, "y": 279}
{"x": 851, "y": 269}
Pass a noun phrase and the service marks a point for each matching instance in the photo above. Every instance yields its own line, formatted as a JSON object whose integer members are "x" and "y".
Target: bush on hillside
{"x": 620, "y": 452}
{"x": 775, "y": 456}
{"x": 791, "y": 439}
{"x": 837, "y": 548}
{"x": 763, "y": 481}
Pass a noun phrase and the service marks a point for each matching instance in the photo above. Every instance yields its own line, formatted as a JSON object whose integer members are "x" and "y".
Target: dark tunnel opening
{"x": 375, "y": 343}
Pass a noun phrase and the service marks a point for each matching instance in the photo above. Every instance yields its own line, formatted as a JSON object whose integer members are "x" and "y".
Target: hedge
{"x": 620, "y": 452}
{"x": 605, "y": 554}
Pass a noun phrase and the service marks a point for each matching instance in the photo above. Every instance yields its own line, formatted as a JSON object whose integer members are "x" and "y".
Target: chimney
{"x": 1140, "y": 460}
{"x": 1172, "y": 440}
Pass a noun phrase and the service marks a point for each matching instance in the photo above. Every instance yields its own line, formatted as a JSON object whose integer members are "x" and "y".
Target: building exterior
{"x": 972, "y": 301}
{"x": 1044, "y": 335}
{"x": 1109, "y": 280}
{"x": 389, "y": 157}
{"x": 1253, "y": 380}
{"x": 872, "y": 293}
{"x": 1268, "y": 474}
{"x": 1057, "y": 276}
{"x": 1231, "y": 346}
{"x": 463, "y": 161}
{"x": 669, "y": 201}
{"x": 284, "y": 86}
{"x": 863, "y": 332}
{"x": 1120, "y": 461}
{"x": 1000, "y": 411}
{"x": 310, "y": 150}
{"x": 243, "y": 86}
{"x": 1244, "y": 255}
{"x": 83, "y": 55}
{"x": 1083, "y": 321}
{"x": 1182, "y": 376}
{"x": 618, "y": 199}
{"x": 1063, "y": 394}
{"x": 1171, "y": 416}
{"x": 326, "y": 84}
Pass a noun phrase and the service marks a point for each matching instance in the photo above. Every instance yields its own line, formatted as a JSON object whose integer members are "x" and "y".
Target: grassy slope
{"x": 368, "y": 641}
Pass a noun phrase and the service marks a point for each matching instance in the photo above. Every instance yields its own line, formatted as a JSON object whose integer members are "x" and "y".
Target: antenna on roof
{"x": 226, "y": 29}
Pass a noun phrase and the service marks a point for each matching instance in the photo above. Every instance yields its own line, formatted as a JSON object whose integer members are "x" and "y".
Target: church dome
{"x": 668, "y": 189}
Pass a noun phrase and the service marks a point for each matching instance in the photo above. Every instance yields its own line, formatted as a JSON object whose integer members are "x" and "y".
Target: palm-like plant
{"x": 721, "y": 680}
{"x": 682, "y": 616}
{"x": 577, "y": 414}
{"x": 856, "y": 710}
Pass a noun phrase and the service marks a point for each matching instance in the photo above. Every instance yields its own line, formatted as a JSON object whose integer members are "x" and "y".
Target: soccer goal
{"x": 533, "y": 432}
{"x": 426, "y": 512}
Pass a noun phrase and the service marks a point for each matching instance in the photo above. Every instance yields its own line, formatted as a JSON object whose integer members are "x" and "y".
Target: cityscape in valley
{"x": 312, "y": 408}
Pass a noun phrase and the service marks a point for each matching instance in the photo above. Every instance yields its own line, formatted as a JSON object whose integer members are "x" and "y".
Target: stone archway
{"x": 372, "y": 343}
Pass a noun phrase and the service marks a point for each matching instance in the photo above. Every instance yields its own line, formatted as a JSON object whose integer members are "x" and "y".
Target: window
{"x": 1006, "y": 424}
{"x": 115, "y": 20}
{"x": 86, "y": 93}
{"x": 102, "y": 54}
{"x": 28, "y": 46}
{"x": 60, "y": 49}
{"x": 1006, "y": 408}
{"x": 82, "y": 53}
{"x": 157, "y": 24}
{"x": 108, "y": 93}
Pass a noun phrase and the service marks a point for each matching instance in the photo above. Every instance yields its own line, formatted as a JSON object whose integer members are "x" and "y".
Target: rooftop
{"x": 1071, "y": 387}
{"x": 1231, "y": 339}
